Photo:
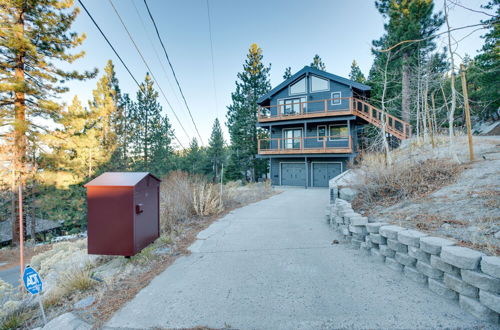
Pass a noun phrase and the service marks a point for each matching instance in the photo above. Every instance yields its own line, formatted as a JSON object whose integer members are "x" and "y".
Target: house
{"x": 313, "y": 121}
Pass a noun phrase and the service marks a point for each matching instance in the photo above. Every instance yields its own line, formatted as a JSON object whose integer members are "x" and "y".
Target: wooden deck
{"x": 278, "y": 146}
{"x": 357, "y": 107}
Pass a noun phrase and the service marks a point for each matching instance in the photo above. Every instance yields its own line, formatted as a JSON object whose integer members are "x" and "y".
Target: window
{"x": 319, "y": 84}
{"x": 298, "y": 87}
{"x": 338, "y": 132}
{"x": 292, "y": 106}
{"x": 336, "y": 98}
{"x": 292, "y": 138}
{"x": 321, "y": 133}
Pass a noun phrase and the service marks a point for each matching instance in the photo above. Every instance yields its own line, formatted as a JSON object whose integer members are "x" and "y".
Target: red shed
{"x": 123, "y": 212}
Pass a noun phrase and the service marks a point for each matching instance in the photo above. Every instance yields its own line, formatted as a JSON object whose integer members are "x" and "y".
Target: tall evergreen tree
{"x": 35, "y": 38}
{"x": 150, "y": 140}
{"x": 356, "y": 74}
{"x": 288, "y": 73}
{"x": 215, "y": 151}
{"x": 407, "y": 20}
{"x": 252, "y": 83}
{"x": 484, "y": 71}
{"x": 318, "y": 63}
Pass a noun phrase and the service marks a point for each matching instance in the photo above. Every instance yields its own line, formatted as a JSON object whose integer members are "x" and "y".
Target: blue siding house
{"x": 313, "y": 120}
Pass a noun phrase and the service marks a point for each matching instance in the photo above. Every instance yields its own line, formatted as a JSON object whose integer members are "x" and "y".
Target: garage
{"x": 293, "y": 174}
{"x": 323, "y": 172}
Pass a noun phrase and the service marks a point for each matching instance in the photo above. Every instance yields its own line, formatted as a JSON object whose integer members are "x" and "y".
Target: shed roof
{"x": 119, "y": 179}
{"x": 310, "y": 69}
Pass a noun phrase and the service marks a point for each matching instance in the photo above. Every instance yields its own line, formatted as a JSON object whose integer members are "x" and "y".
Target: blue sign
{"x": 32, "y": 281}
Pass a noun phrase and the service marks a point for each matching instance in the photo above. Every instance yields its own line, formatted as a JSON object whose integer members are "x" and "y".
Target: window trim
{"x": 337, "y": 125}
{"x": 339, "y": 101}
{"x": 321, "y": 90}
{"x": 293, "y": 83}
{"x": 317, "y": 133}
{"x": 304, "y": 104}
{"x": 285, "y": 139}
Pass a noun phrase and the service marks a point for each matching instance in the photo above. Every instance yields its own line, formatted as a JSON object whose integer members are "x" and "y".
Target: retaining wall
{"x": 453, "y": 272}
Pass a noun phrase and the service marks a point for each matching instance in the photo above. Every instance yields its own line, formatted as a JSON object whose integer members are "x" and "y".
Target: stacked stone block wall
{"x": 453, "y": 272}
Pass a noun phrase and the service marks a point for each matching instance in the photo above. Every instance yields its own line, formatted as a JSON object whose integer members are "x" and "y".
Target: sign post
{"x": 33, "y": 284}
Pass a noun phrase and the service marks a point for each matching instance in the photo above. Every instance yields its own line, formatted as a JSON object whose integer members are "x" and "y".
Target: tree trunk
{"x": 20, "y": 125}
{"x": 33, "y": 213}
{"x": 405, "y": 89}
{"x": 451, "y": 113}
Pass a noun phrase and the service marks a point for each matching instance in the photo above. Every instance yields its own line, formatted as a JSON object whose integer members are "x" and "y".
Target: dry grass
{"x": 387, "y": 185}
{"x": 77, "y": 280}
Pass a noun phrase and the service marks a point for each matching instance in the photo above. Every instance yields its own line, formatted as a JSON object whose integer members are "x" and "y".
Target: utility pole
{"x": 467, "y": 111}
{"x": 21, "y": 230}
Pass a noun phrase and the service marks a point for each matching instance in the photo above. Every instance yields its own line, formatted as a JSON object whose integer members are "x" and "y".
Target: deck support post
{"x": 307, "y": 172}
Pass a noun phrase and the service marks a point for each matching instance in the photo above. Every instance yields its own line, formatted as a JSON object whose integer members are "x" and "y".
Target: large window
{"x": 319, "y": 84}
{"x": 336, "y": 98}
{"x": 338, "y": 132}
{"x": 292, "y": 106}
{"x": 292, "y": 137}
{"x": 299, "y": 87}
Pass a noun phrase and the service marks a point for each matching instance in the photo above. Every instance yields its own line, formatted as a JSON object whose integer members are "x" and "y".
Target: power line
{"x": 147, "y": 66}
{"x": 212, "y": 57}
{"x": 173, "y": 71}
{"x": 119, "y": 57}
{"x": 155, "y": 51}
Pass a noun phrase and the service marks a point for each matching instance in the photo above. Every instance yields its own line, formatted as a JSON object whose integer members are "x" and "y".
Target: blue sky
{"x": 290, "y": 32}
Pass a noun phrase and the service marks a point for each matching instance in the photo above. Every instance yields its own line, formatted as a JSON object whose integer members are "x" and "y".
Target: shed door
{"x": 293, "y": 174}
{"x": 323, "y": 172}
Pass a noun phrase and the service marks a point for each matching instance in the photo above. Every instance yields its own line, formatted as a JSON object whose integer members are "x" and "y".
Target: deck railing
{"x": 305, "y": 145}
{"x": 336, "y": 107}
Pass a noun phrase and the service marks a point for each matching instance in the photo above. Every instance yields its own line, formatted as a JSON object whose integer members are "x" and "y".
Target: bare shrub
{"x": 207, "y": 199}
{"x": 175, "y": 199}
{"x": 403, "y": 180}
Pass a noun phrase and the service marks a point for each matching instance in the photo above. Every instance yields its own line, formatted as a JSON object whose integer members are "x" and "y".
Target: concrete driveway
{"x": 271, "y": 265}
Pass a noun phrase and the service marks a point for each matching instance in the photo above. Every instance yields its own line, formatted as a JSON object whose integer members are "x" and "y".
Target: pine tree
{"x": 318, "y": 63}
{"x": 35, "y": 38}
{"x": 288, "y": 73}
{"x": 356, "y": 74}
{"x": 151, "y": 133}
{"x": 242, "y": 114}
{"x": 483, "y": 73}
{"x": 407, "y": 20}
{"x": 215, "y": 151}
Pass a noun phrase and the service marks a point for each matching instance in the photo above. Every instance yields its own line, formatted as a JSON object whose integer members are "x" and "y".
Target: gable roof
{"x": 119, "y": 179}
{"x": 310, "y": 69}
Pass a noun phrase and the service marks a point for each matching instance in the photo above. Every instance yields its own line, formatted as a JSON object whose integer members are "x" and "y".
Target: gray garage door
{"x": 293, "y": 174}
{"x": 323, "y": 172}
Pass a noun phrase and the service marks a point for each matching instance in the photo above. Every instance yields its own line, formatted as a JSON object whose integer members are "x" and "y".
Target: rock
{"x": 393, "y": 264}
{"x": 67, "y": 321}
{"x": 359, "y": 221}
{"x": 84, "y": 303}
{"x": 491, "y": 266}
{"x": 390, "y": 231}
{"x": 461, "y": 257}
{"x": 361, "y": 230}
{"x": 373, "y": 227}
{"x": 348, "y": 194}
{"x": 433, "y": 245}
{"x": 375, "y": 253}
{"x": 410, "y": 237}
{"x": 376, "y": 238}
{"x": 356, "y": 243}
{"x": 419, "y": 254}
{"x": 456, "y": 284}
{"x": 396, "y": 246}
{"x": 497, "y": 235}
{"x": 414, "y": 275}
{"x": 481, "y": 280}
{"x": 490, "y": 300}
{"x": 384, "y": 250}
{"x": 441, "y": 289}
{"x": 428, "y": 270}
{"x": 438, "y": 263}
{"x": 477, "y": 309}
{"x": 405, "y": 259}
